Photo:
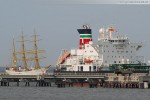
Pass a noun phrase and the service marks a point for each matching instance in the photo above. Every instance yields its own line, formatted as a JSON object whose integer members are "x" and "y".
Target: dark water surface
{"x": 70, "y": 93}
{"x": 73, "y": 93}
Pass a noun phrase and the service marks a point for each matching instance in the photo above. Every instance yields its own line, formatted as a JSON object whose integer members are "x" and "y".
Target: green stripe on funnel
{"x": 85, "y": 36}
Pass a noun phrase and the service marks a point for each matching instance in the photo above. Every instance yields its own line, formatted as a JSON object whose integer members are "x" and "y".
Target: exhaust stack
{"x": 85, "y": 36}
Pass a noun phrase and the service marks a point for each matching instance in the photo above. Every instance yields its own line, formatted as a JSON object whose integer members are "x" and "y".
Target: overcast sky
{"x": 57, "y": 24}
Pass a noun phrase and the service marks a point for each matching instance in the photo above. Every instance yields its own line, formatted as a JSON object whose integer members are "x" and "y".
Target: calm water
{"x": 54, "y": 93}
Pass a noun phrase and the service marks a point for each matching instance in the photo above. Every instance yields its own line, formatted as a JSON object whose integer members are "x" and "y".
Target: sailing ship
{"x": 24, "y": 69}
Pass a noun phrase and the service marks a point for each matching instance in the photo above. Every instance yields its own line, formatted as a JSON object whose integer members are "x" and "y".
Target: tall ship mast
{"x": 36, "y": 52}
{"x": 14, "y": 54}
{"x": 25, "y": 69}
{"x": 23, "y": 53}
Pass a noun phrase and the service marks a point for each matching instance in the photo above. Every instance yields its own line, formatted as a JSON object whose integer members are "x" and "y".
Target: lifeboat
{"x": 63, "y": 57}
{"x": 88, "y": 61}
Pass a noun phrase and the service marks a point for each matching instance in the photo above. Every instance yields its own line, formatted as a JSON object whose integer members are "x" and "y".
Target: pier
{"x": 60, "y": 80}
{"x": 90, "y": 80}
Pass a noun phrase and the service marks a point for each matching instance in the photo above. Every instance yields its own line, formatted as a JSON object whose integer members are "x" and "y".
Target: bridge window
{"x": 94, "y": 68}
{"x": 112, "y": 40}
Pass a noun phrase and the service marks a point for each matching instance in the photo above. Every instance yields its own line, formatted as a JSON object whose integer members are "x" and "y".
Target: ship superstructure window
{"x": 89, "y": 68}
{"x": 120, "y": 40}
{"x": 119, "y": 61}
{"x": 126, "y": 51}
{"x": 81, "y": 68}
{"x": 111, "y": 40}
{"x": 94, "y": 68}
{"x": 122, "y": 51}
{"x": 112, "y": 51}
{"x": 105, "y": 61}
{"x": 114, "y": 61}
{"x": 124, "y": 40}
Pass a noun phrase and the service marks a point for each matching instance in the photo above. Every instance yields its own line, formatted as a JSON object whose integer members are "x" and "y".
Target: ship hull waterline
{"x": 30, "y": 72}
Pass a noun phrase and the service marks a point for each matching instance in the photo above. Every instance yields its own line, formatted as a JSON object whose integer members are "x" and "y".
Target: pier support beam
{"x": 18, "y": 83}
{"x": 27, "y": 83}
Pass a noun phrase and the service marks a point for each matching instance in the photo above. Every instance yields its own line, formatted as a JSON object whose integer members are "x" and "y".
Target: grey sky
{"x": 57, "y": 24}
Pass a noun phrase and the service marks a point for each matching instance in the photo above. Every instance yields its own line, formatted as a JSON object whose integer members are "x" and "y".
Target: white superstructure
{"x": 117, "y": 49}
{"x": 111, "y": 48}
{"x": 86, "y": 58}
